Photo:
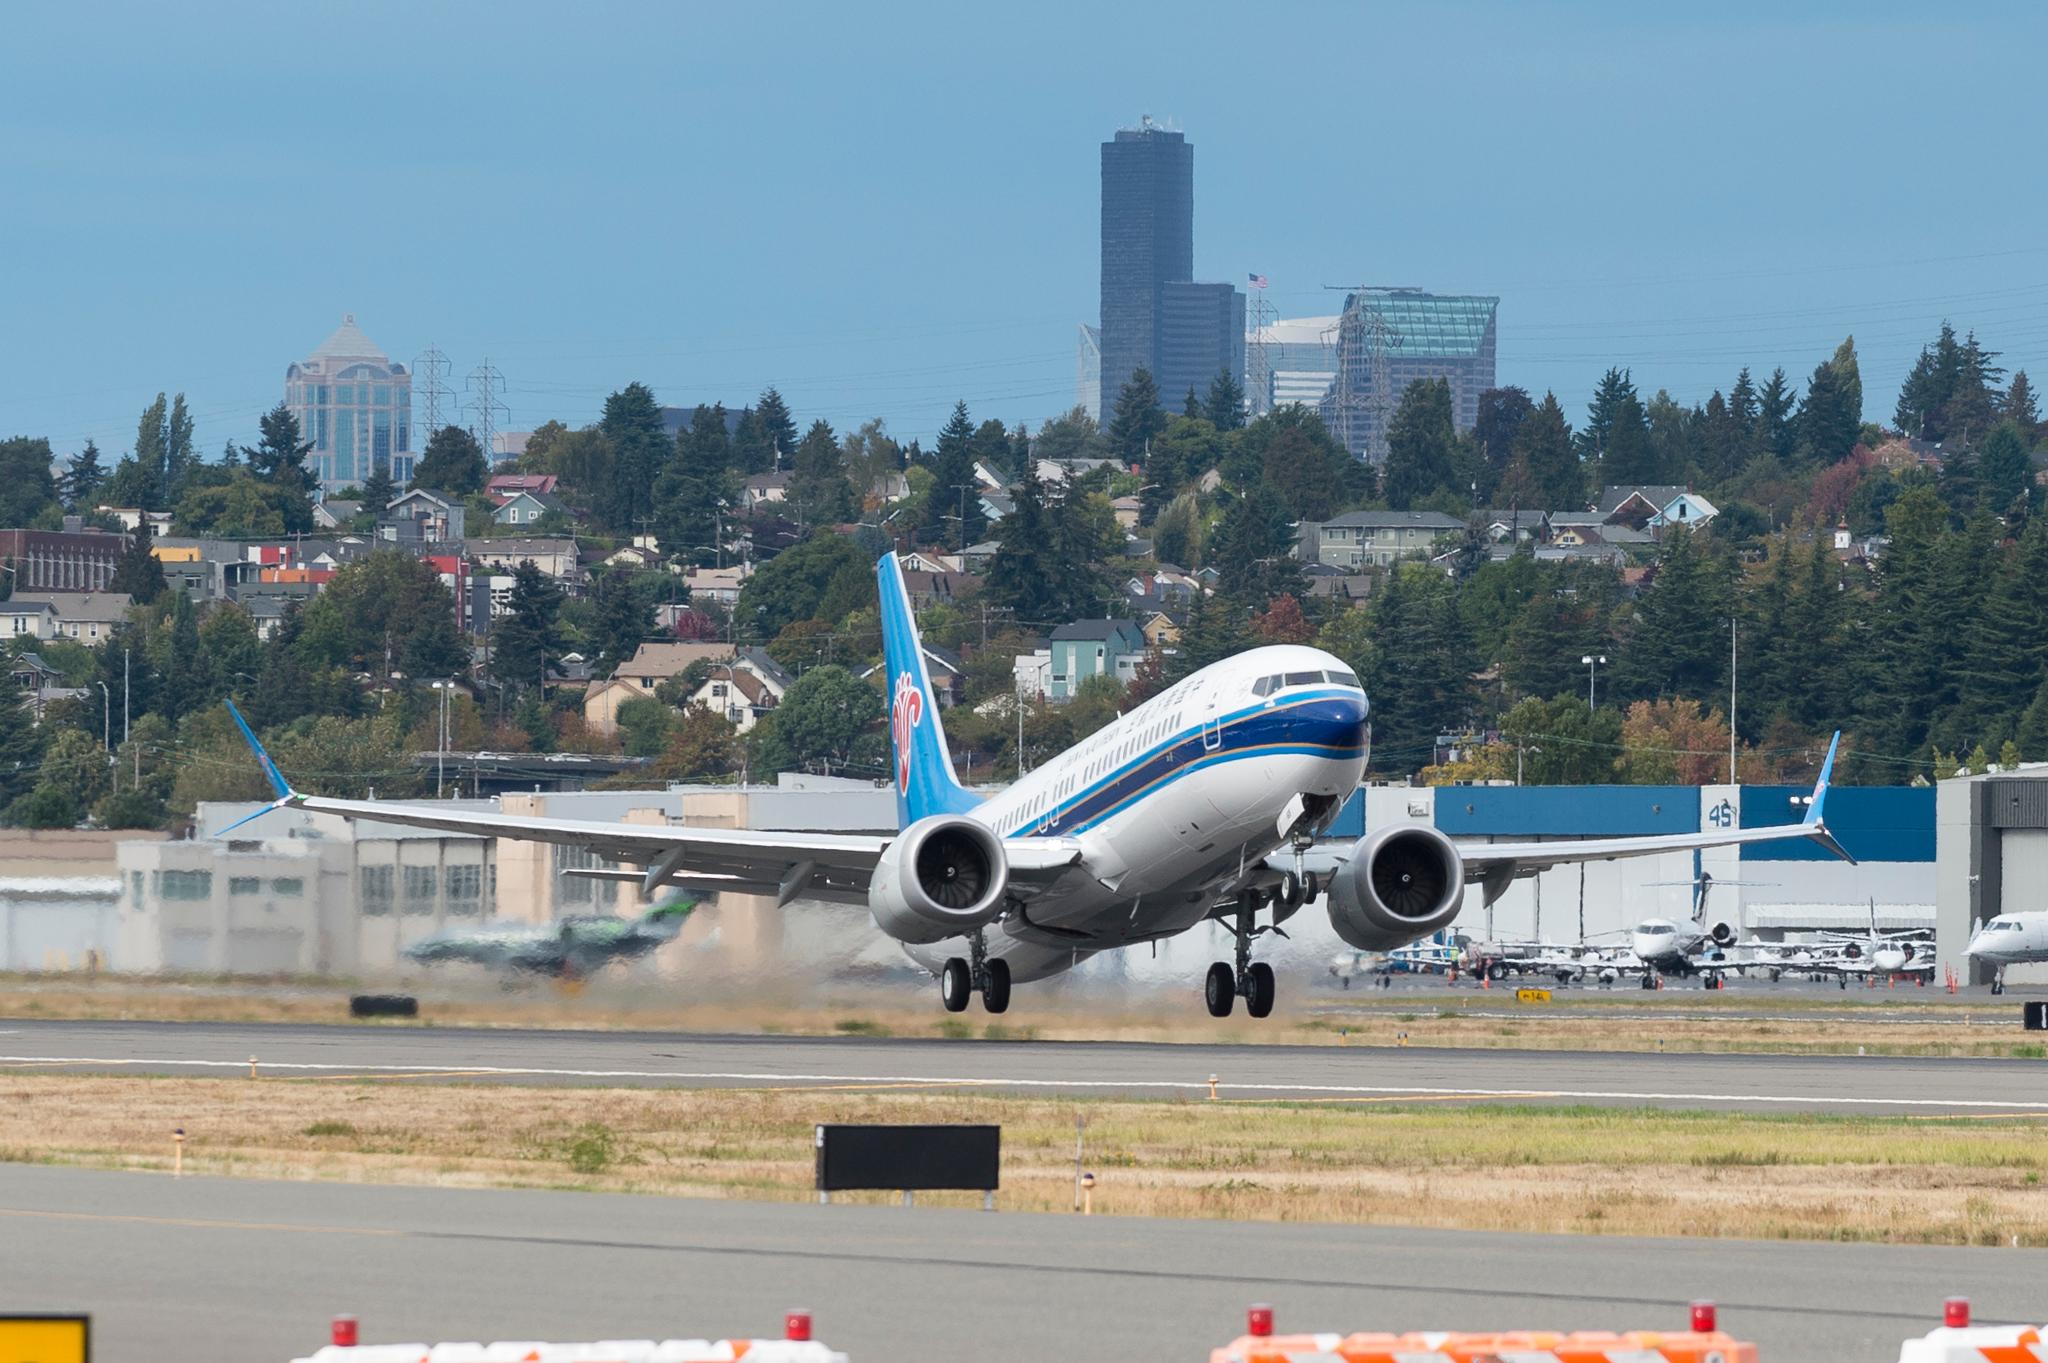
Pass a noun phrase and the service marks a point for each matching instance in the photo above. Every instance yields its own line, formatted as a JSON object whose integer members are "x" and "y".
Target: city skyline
{"x": 1659, "y": 196}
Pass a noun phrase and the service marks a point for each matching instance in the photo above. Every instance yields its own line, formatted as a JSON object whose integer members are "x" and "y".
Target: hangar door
{"x": 2023, "y": 870}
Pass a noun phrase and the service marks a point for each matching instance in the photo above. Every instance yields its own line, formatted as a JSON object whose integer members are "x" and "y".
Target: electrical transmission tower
{"x": 1364, "y": 340}
{"x": 1258, "y": 373}
{"x": 485, "y": 383}
{"x": 432, "y": 397}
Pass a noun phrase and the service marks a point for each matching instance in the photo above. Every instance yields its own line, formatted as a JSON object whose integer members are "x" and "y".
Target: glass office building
{"x": 355, "y": 405}
{"x": 1148, "y": 238}
{"x": 1389, "y": 338}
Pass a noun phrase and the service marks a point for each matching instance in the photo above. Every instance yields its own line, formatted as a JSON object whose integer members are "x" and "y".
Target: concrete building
{"x": 1991, "y": 857}
{"x": 355, "y": 405}
{"x": 1378, "y": 538}
{"x": 1389, "y": 338}
{"x": 69, "y": 560}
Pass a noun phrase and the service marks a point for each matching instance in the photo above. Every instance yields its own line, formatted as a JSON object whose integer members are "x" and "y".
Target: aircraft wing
{"x": 831, "y": 866}
{"x": 1484, "y": 859}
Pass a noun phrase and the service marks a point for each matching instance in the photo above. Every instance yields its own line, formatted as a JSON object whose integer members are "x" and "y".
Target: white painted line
{"x": 745, "y": 1077}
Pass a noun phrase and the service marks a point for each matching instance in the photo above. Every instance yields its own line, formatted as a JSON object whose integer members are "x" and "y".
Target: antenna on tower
{"x": 430, "y": 390}
{"x": 485, "y": 383}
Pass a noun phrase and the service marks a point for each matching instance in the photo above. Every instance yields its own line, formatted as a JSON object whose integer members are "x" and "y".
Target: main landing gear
{"x": 1249, "y": 979}
{"x": 988, "y": 975}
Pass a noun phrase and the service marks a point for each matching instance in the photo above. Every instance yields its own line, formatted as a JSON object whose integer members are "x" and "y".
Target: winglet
{"x": 1816, "y": 827}
{"x": 1820, "y": 787}
{"x": 276, "y": 777}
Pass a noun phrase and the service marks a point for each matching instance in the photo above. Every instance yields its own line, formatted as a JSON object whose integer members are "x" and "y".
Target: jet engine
{"x": 1401, "y": 884}
{"x": 943, "y": 876}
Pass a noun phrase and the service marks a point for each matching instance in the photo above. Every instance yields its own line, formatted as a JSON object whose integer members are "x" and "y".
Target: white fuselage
{"x": 2012, "y": 939}
{"x": 1175, "y": 800}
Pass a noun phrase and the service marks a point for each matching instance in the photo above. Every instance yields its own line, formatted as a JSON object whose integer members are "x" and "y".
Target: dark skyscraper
{"x": 1148, "y": 240}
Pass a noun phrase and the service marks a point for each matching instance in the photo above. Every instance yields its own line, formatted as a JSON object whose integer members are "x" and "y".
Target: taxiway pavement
{"x": 1928, "y": 1086}
{"x": 199, "y": 1269}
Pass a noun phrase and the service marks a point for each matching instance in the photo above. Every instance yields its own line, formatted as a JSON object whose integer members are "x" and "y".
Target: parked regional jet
{"x": 1199, "y": 805}
{"x": 2011, "y": 939}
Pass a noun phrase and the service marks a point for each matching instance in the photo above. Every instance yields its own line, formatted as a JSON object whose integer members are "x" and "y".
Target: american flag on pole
{"x": 1258, "y": 281}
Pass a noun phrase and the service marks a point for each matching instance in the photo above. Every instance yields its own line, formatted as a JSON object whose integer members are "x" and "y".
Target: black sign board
{"x": 2037, "y": 1015}
{"x": 913, "y": 1158}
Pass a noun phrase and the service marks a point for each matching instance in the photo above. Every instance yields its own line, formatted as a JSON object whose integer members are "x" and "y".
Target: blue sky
{"x": 882, "y": 208}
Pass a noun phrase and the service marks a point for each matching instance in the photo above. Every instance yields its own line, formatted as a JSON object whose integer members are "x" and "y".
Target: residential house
{"x": 1359, "y": 539}
{"x": 1687, "y": 508}
{"x": 892, "y": 485}
{"x": 335, "y": 512}
{"x": 1033, "y": 673}
{"x": 1636, "y": 504}
{"x": 717, "y": 584}
{"x": 1519, "y": 527}
{"x": 763, "y": 488}
{"x": 924, "y": 561}
{"x": 1094, "y": 648}
{"x": 632, "y": 556}
{"x": 504, "y": 486}
{"x": 44, "y": 683}
{"x": 1580, "y": 529}
{"x": 976, "y": 558}
{"x": 735, "y": 694}
{"x": 420, "y": 517}
{"x": 555, "y": 557}
{"x": 1163, "y": 628}
{"x": 88, "y": 617}
{"x": 1322, "y": 582}
{"x": 650, "y": 666}
{"x": 130, "y": 517}
{"x": 996, "y": 505}
{"x": 1129, "y": 510}
{"x": 524, "y": 508}
{"x": 928, "y": 588}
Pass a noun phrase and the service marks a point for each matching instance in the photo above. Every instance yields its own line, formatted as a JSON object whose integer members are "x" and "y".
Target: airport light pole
{"x": 1519, "y": 750}
{"x": 1593, "y": 663}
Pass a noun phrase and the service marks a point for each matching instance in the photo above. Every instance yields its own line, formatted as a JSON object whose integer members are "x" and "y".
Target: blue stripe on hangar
{"x": 1876, "y": 823}
{"x": 1566, "y": 811}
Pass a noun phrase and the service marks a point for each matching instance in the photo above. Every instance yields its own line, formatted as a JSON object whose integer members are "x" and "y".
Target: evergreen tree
{"x": 690, "y": 489}
{"x": 530, "y": 633}
{"x": 622, "y": 617}
{"x": 187, "y": 675}
{"x": 1544, "y": 442}
{"x": 178, "y": 455}
{"x": 1192, "y": 407}
{"x": 1742, "y": 401}
{"x": 1679, "y": 644}
{"x": 1628, "y": 459}
{"x": 2005, "y": 472}
{"x": 1254, "y": 550}
{"x": 1225, "y": 404}
{"x": 1216, "y": 629}
{"x": 1613, "y": 392}
{"x": 28, "y": 489}
{"x": 138, "y": 572}
{"x": 778, "y": 428}
{"x": 1832, "y": 414}
{"x": 2020, "y": 407}
{"x": 1812, "y": 684}
{"x": 2032, "y": 736}
{"x": 1501, "y": 414}
{"x": 1905, "y": 664}
{"x": 82, "y": 478}
{"x": 640, "y": 450}
{"x": 1421, "y": 683}
{"x": 380, "y": 490}
{"x": 1020, "y": 575}
{"x": 21, "y": 745}
{"x": 1138, "y": 420}
{"x": 751, "y": 452}
{"x": 453, "y": 464}
{"x": 953, "y": 511}
{"x": 1421, "y": 446}
{"x": 818, "y": 487}
{"x": 1302, "y": 463}
{"x": 1544, "y": 643}
{"x": 1775, "y": 431}
{"x": 279, "y": 458}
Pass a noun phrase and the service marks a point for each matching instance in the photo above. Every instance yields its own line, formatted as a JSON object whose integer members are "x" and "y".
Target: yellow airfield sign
{"x": 1532, "y": 996}
{"x": 45, "y": 1339}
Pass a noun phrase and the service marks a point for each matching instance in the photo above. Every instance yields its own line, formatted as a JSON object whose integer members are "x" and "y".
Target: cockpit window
{"x": 1265, "y": 686}
{"x": 1302, "y": 678}
{"x": 1342, "y": 678}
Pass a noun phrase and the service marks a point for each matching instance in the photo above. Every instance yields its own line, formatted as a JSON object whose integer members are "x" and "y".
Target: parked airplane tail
{"x": 925, "y": 783}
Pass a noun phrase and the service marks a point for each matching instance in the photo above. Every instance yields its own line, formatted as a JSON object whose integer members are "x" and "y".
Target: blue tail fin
{"x": 925, "y": 783}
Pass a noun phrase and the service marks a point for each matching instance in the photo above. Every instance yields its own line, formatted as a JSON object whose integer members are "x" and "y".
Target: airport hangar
{"x": 377, "y": 888}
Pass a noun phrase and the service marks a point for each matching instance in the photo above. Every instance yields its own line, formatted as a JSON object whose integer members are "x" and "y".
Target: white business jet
{"x": 1200, "y": 804}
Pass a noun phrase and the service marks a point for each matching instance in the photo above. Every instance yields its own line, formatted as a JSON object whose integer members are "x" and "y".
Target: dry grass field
{"x": 1879, "y": 1022}
{"x": 1950, "y": 1181}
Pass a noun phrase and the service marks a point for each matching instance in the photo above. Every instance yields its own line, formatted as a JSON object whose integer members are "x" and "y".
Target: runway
{"x": 1759, "y": 1083}
{"x": 193, "y": 1270}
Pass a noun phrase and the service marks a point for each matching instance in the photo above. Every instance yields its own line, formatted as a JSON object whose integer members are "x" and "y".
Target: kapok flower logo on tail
{"x": 906, "y": 712}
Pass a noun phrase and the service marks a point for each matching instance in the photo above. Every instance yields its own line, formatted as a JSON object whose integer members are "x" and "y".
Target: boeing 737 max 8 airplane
{"x": 1199, "y": 804}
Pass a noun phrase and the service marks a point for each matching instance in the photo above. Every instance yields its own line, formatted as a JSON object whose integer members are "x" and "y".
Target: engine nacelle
{"x": 1402, "y": 884}
{"x": 944, "y": 876}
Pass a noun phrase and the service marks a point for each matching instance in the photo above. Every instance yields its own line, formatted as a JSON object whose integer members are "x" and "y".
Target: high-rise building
{"x": 1389, "y": 338}
{"x": 1148, "y": 238}
{"x": 1301, "y": 363}
{"x": 1088, "y": 370}
{"x": 355, "y": 405}
{"x": 1201, "y": 335}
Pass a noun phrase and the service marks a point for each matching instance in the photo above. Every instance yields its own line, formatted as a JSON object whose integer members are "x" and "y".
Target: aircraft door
{"x": 1208, "y": 709}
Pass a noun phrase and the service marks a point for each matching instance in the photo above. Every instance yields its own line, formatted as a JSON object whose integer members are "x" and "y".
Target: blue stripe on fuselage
{"x": 1328, "y": 723}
